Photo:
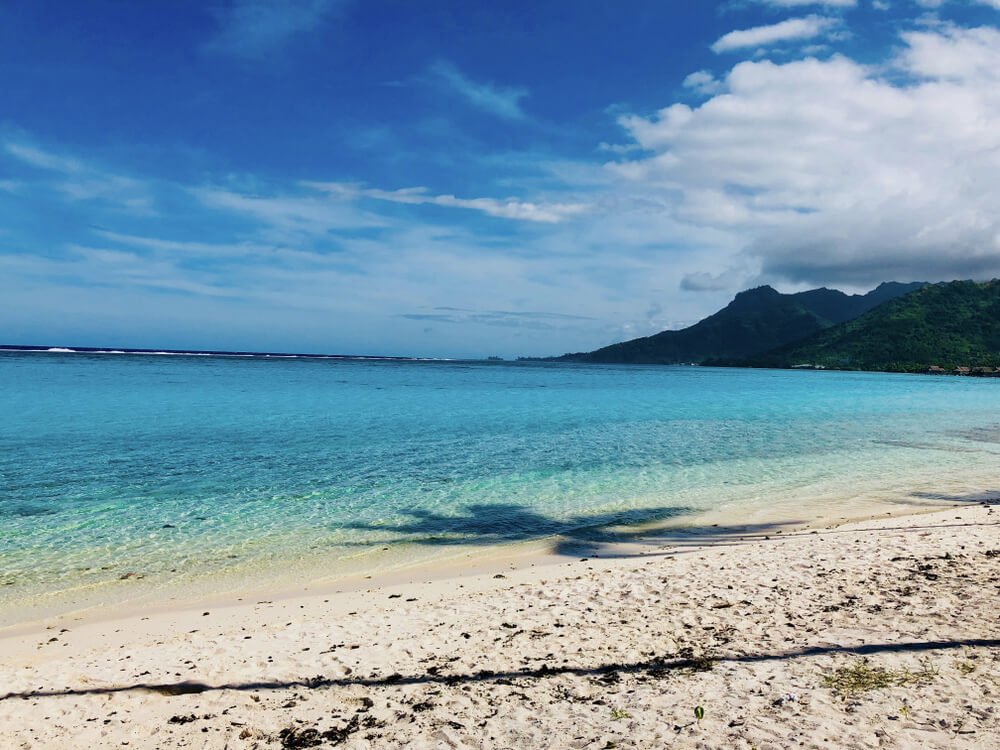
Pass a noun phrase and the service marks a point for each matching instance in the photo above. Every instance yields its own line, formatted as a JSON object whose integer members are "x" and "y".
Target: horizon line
{"x": 124, "y": 350}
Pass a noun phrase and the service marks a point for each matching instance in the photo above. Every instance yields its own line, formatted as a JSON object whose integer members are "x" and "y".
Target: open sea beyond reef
{"x": 126, "y": 478}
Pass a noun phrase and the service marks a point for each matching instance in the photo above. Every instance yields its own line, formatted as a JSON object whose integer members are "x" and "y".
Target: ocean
{"x": 128, "y": 478}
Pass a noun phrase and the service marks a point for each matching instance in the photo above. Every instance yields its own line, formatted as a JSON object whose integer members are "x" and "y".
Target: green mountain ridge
{"x": 756, "y": 321}
{"x": 950, "y": 324}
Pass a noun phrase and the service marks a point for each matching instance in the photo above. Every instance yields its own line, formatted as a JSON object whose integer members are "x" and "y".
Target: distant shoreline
{"x": 33, "y": 349}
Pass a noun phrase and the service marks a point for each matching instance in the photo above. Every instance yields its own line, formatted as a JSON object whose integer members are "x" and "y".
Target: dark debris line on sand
{"x": 293, "y": 738}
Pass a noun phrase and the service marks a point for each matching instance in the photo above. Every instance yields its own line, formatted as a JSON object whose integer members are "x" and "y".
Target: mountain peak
{"x": 764, "y": 290}
{"x": 755, "y": 298}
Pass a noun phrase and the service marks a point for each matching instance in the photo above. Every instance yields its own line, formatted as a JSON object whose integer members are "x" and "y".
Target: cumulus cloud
{"x": 790, "y": 30}
{"x": 837, "y": 172}
{"x": 703, "y": 82}
{"x": 504, "y": 102}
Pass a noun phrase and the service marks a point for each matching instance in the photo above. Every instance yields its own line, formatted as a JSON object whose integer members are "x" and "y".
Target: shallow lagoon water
{"x": 195, "y": 471}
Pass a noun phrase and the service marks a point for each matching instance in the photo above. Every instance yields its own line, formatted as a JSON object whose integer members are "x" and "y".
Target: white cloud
{"x": 792, "y": 29}
{"x": 700, "y": 281}
{"x": 290, "y": 259}
{"x": 289, "y": 219}
{"x": 506, "y": 208}
{"x": 80, "y": 181}
{"x": 940, "y": 3}
{"x": 252, "y": 28}
{"x": 176, "y": 248}
{"x": 529, "y": 319}
{"x": 104, "y": 267}
{"x": 804, "y": 3}
{"x": 961, "y": 56}
{"x": 703, "y": 82}
{"x": 836, "y": 172}
{"x": 501, "y": 101}
{"x": 42, "y": 159}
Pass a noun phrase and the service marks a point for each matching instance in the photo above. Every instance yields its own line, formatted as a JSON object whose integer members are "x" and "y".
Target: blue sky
{"x": 467, "y": 179}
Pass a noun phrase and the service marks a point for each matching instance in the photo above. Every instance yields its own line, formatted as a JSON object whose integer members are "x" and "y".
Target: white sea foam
{"x": 230, "y": 355}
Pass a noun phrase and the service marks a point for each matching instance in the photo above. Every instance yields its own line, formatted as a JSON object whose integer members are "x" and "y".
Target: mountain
{"x": 949, "y": 324}
{"x": 756, "y": 321}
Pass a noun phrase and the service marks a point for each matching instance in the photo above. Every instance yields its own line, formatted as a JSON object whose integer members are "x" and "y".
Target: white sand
{"x": 583, "y": 654}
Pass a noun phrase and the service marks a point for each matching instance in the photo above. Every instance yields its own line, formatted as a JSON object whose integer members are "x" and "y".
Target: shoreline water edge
{"x": 129, "y": 594}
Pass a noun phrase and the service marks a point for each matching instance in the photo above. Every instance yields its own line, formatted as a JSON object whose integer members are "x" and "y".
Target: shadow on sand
{"x": 991, "y": 497}
{"x": 576, "y": 536}
{"x": 606, "y": 534}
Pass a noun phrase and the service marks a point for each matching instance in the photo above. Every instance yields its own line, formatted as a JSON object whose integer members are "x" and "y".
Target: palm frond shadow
{"x": 977, "y": 498}
{"x": 488, "y": 524}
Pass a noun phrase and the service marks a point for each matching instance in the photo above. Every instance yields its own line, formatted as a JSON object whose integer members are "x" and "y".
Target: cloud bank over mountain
{"x": 841, "y": 172}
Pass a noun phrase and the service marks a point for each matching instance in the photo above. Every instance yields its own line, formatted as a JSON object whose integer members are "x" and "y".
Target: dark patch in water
{"x": 26, "y": 510}
{"x": 917, "y": 445}
{"x": 979, "y": 434}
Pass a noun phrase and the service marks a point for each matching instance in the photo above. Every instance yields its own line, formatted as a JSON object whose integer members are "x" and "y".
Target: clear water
{"x": 196, "y": 470}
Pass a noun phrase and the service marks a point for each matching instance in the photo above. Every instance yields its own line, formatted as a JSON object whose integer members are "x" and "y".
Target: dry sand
{"x": 764, "y": 633}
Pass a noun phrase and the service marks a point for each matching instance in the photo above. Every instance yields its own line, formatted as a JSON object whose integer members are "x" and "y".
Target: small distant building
{"x": 936, "y": 370}
{"x": 961, "y": 371}
{"x": 983, "y": 372}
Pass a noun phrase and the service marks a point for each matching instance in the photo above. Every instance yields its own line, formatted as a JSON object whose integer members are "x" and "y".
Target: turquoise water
{"x": 191, "y": 469}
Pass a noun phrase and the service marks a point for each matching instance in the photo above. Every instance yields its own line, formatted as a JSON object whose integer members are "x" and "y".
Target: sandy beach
{"x": 881, "y": 633}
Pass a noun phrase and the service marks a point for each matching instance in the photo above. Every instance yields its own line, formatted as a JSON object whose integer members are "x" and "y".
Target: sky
{"x": 466, "y": 179}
